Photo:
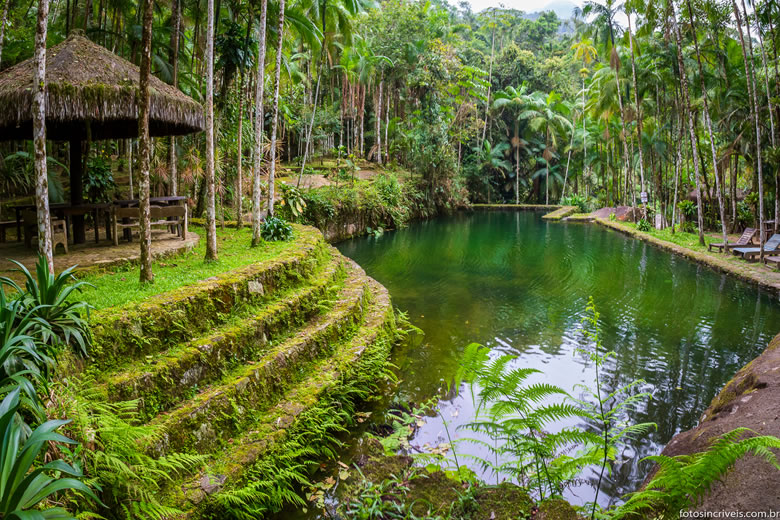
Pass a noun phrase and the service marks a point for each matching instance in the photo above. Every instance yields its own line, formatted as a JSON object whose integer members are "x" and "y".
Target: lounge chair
{"x": 772, "y": 260}
{"x": 745, "y": 240}
{"x": 772, "y": 246}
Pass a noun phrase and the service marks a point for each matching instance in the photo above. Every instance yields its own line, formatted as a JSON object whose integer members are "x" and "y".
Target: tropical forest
{"x": 389, "y": 259}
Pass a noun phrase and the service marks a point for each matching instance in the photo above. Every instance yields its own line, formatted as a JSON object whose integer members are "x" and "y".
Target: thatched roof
{"x": 88, "y": 83}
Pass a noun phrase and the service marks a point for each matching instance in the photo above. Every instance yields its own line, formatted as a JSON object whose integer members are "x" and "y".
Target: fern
{"x": 682, "y": 481}
{"x": 113, "y": 459}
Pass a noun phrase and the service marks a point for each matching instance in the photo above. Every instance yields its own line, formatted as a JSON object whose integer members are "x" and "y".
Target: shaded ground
{"x": 750, "y": 400}
{"x": 91, "y": 255}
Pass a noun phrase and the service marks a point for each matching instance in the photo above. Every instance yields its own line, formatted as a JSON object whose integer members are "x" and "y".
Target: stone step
{"x": 222, "y": 410}
{"x": 354, "y": 368}
{"x": 139, "y": 329}
{"x": 166, "y": 379}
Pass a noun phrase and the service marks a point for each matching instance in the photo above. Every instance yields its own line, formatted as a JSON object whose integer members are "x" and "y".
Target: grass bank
{"x": 121, "y": 284}
{"x": 687, "y": 245}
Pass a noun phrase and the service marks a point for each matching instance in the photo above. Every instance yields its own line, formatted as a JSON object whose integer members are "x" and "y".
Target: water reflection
{"x": 519, "y": 285}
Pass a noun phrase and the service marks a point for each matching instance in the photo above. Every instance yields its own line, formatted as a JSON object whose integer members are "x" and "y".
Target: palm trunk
{"x": 378, "y": 117}
{"x": 259, "y": 120}
{"x": 174, "y": 59}
{"x": 316, "y": 96}
{"x": 39, "y": 136}
{"x": 211, "y": 222}
{"x": 771, "y": 120}
{"x": 144, "y": 146}
{"x": 240, "y": 155}
{"x": 687, "y": 107}
{"x": 754, "y": 113}
{"x": 275, "y": 116}
{"x": 708, "y": 122}
{"x": 638, "y": 109}
{"x": 490, "y": 84}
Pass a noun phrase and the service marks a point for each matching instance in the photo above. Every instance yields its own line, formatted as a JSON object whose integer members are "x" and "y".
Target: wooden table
{"x": 173, "y": 200}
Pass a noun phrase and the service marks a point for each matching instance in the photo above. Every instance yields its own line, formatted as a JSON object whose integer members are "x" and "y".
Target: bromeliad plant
{"x": 26, "y": 483}
{"x": 51, "y": 300}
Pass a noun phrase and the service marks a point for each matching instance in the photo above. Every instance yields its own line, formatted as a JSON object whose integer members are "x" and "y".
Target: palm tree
{"x": 39, "y": 134}
{"x": 684, "y": 88}
{"x": 606, "y": 26}
{"x": 211, "y": 222}
{"x": 491, "y": 161}
{"x": 585, "y": 51}
{"x": 174, "y": 59}
{"x": 546, "y": 115}
{"x": 708, "y": 122}
{"x": 753, "y": 99}
{"x": 275, "y": 116}
{"x": 259, "y": 117}
{"x": 515, "y": 99}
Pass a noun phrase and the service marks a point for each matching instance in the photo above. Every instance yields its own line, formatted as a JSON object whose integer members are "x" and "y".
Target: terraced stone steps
{"x": 235, "y": 366}
{"x": 182, "y": 370}
{"x": 162, "y": 322}
{"x": 218, "y": 412}
{"x": 272, "y": 426}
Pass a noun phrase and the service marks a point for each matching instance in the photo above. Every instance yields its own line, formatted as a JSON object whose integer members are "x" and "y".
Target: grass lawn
{"x": 121, "y": 285}
{"x": 681, "y": 238}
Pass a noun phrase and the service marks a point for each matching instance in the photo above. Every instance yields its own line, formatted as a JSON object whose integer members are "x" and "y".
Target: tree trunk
{"x": 378, "y": 117}
{"x": 687, "y": 107}
{"x": 709, "y": 128}
{"x": 490, "y": 84}
{"x": 275, "y": 116}
{"x": 211, "y": 223}
{"x": 39, "y": 136}
{"x": 174, "y": 59}
{"x": 2, "y": 27}
{"x": 240, "y": 155}
{"x": 638, "y": 110}
{"x": 259, "y": 120}
{"x": 316, "y": 95}
{"x": 144, "y": 145}
{"x": 754, "y": 112}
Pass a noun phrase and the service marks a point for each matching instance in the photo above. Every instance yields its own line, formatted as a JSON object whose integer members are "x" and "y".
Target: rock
{"x": 750, "y": 400}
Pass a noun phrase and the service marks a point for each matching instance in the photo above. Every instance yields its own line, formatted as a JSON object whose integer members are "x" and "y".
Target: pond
{"x": 519, "y": 285}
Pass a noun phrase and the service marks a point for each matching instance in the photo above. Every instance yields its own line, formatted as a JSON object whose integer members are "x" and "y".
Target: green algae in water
{"x": 519, "y": 284}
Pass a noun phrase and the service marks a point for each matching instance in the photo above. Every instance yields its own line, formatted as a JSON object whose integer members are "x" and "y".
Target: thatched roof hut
{"x": 86, "y": 83}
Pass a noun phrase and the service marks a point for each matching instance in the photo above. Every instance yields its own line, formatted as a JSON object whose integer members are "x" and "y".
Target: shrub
{"x": 275, "y": 228}
{"x": 644, "y": 225}
{"x": 577, "y": 200}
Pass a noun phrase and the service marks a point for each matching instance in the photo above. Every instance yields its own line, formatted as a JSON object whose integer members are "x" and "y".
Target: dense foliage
{"x": 676, "y": 100}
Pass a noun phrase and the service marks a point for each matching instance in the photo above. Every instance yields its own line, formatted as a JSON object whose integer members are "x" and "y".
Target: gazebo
{"x": 91, "y": 94}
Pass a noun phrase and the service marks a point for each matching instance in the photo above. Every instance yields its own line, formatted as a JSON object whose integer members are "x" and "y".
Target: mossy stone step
{"x": 219, "y": 412}
{"x": 170, "y": 377}
{"x": 370, "y": 345}
{"x": 139, "y": 329}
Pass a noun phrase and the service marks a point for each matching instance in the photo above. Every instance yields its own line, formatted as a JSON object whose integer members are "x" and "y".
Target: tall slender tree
{"x": 174, "y": 59}
{"x": 691, "y": 126}
{"x": 211, "y": 222}
{"x": 275, "y": 115}
{"x": 144, "y": 144}
{"x": 708, "y": 122}
{"x": 39, "y": 135}
{"x": 259, "y": 119}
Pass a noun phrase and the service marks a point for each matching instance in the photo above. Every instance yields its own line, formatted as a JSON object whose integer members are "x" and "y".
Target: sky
{"x": 529, "y": 6}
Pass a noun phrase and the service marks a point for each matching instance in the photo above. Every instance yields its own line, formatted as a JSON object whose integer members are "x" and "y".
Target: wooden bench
{"x": 168, "y": 216}
{"x": 5, "y": 224}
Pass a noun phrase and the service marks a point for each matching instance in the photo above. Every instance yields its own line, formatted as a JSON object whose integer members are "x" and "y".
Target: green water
{"x": 518, "y": 284}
